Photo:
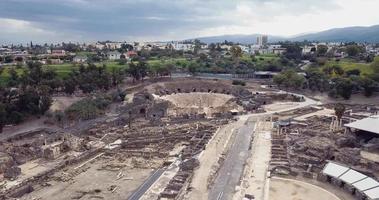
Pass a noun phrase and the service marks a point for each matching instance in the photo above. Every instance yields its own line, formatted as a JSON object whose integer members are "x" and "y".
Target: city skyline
{"x": 87, "y": 21}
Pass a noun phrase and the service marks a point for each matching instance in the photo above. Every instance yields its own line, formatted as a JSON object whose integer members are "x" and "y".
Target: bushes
{"x": 289, "y": 79}
{"x": 341, "y": 87}
{"x": 88, "y": 108}
{"x": 238, "y": 82}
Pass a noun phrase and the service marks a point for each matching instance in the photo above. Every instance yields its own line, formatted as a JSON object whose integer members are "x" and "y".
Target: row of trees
{"x": 332, "y": 79}
{"x": 28, "y": 90}
{"x": 27, "y": 94}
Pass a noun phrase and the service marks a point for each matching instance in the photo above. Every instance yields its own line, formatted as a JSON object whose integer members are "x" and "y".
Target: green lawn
{"x": 64, "y": 69}
{"x": 84, "y": 53}
{"x": 261, "y": 59}
{"x": 348, "y": 64}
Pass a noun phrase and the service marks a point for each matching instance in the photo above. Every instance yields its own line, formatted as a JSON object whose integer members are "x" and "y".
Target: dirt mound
{"x": 199, "y": 102}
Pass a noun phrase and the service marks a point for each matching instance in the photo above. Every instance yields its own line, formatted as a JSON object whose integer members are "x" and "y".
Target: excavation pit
{"x": 200, "y": 103}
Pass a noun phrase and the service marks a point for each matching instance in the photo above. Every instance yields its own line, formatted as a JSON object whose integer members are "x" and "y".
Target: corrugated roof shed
{"x": 372, "y": 194}
{"x": 366, "y": 184}
{"x": 361, "y": 182}
{"x": 334, "y": 170}
{"x": 369, "y": 124}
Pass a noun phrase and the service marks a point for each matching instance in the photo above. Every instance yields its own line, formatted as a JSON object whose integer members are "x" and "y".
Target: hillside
{"x": 348, "y": 34}
{"x": 244, "y": 39}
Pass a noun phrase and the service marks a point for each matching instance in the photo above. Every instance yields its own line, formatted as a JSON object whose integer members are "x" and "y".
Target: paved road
{"x": 147, "y": 184}
{"x": 232, "y": 168}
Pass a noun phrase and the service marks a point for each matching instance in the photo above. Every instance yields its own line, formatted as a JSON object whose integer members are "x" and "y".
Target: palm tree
{"x": 339, "y": 109}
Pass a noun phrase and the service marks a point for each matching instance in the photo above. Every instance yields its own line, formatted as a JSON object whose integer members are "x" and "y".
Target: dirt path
{"x": 287, "y": 189}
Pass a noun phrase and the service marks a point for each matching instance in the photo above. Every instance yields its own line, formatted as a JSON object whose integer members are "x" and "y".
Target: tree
{"x": 317, "y": 80}
{"x": 333, "y": 71}
{"x": 197, "y": 47}
{"x": 170, "y": 68}
{"x": 368, "y": 86}
{"x": 236, "y": 53}
{"x": 192, "y": 68}
{"x": 13, "y": 78}
{"x": 19, "y": 59}
{"x": 139, "y": 71}
{"x": 8, "y": 59}
{"x": 339, "y": 110}
{"x": 69, "y": 86}
{"x": 353, "y": 72}
{"x": 3, "y": 116}
{"x": 322, "y": 50}
{"x": 343, "y": 87}
{"x": 117, "y": 76}
{"x": 293, "y": 50}
{"x": 375, "y": 65}
{"x": 353, "y": 50}
{"x": 289, "y": 79}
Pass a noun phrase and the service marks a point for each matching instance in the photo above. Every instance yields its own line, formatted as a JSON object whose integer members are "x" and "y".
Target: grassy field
{"x": 348, "y": 64}
{"x": 261, "y": 59}
{"x": 64, "y": 69}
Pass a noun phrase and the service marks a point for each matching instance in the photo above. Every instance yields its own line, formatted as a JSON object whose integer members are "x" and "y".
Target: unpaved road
{"x": 286, "y": 189}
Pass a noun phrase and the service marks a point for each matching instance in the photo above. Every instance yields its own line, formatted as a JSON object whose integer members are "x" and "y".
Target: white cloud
{"x": 285, "y": 18}
{"x": 78, "y": 20}
{"x": 25, "y": 31}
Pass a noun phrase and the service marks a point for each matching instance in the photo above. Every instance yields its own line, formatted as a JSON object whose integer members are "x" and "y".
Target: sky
{"x": 49, "y": 21}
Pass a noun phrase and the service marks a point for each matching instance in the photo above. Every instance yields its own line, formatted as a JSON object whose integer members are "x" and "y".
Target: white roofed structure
{"x": 369, "y": 124}
{"x": 334, "y": 170}
{"x": 352, "y": 176}
{"x": 372, "y": 193}
{"x": 362, "y": 183}
{"x": 366, "y": 184}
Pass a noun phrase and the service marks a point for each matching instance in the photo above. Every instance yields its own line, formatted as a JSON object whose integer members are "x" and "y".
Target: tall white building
{"x": 262, "y": 40}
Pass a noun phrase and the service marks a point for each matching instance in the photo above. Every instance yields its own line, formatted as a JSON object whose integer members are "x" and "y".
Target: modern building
{"x": 114, "y": 55}
{"x": 79, "y": 59}
{"x": 369, "y": 125}
{"x": 58, "y": 52}
{"x": 262, "y": 40}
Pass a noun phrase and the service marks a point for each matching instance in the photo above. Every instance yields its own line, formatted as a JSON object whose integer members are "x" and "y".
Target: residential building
{"x": 79, "y": 59}
{"x": 58, "y": 52}
{"x": 308, "y": 49}
{"x": 114, "y": 55}
{"x": 279, "y": 51}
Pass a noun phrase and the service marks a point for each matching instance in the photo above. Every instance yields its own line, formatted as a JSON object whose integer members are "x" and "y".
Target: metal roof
{"x": 373, "y": 193}
{"x": 334, "y": 170}
{"x": 352, "y": 176}
{"x": 361, "y": 182}
{"x": 366, "y": 184}
{"x": 369, "y": 124}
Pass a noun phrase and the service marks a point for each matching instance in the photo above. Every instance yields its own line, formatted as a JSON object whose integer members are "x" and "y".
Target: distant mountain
{"x": 348, "y": 34}
{"x": 243, "y": 39}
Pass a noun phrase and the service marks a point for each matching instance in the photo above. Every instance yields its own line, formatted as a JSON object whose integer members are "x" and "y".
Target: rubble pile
{"x": 279, "y": 156}
{"x": 305, "y": 149}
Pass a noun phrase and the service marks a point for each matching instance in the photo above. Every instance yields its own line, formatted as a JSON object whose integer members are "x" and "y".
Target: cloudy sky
{"x": 152, "y": 20}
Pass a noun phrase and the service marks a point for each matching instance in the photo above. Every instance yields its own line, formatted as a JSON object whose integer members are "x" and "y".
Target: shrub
{"x": 88, "y": 108}
{"x": 238, "y": 82}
